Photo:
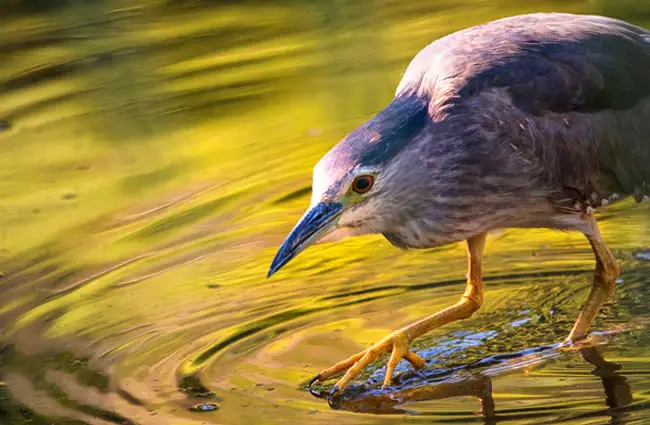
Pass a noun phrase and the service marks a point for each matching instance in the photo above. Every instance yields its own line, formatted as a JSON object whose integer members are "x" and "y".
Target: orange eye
{"x": 362, "y": 184}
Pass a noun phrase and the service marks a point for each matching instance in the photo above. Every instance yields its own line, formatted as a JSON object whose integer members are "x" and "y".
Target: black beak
{"x": 316, "y": 223}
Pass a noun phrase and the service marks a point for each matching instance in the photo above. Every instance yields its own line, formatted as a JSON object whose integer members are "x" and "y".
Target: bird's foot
{"x": 576, "y": 343}
{"x": 397, "y": 343}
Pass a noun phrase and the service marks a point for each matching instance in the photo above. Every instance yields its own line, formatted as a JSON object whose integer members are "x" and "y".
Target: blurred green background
{"x": 154, "y": 155}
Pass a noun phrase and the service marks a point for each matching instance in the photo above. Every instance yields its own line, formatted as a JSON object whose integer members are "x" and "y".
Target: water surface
{"x": 155, "y": 154}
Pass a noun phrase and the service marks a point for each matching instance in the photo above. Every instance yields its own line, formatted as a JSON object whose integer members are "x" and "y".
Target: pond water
{"x": 155, "y": 154}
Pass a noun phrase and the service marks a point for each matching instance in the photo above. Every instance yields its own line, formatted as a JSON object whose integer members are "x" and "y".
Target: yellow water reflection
{"x": 155, "y": 153}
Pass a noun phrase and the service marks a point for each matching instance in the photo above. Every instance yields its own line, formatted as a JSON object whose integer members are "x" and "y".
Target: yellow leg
{"x": 398, "y": 341}
{"x": 607, "y": 270}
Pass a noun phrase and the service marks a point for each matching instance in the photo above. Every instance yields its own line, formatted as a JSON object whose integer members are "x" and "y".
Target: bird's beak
{"x": 316, "y": 223}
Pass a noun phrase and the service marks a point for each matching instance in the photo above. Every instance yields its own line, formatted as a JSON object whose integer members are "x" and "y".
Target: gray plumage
{"x": 522, "y": 122}
{"x": 529, "y": 121}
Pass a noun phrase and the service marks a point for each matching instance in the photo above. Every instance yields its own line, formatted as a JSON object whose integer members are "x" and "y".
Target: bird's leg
{"x": 607, "y": 270}
{"x": 398, "y": 341}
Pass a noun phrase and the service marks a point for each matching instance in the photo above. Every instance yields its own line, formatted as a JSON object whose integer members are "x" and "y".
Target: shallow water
{"x": 155, "y": 154}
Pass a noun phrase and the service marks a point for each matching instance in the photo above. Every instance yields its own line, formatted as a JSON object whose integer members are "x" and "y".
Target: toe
{"x": 415, "y": 360}
{"x": 400, "y": 348}
{"x": 340, "y": 366}
{"x": 390, "y": 368}
{"x": 356, "y": 368}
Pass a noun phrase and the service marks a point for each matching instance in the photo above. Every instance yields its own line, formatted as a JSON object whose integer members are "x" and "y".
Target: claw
{"x": 314, "y": 379}
{"x": 335, "y": 391}
{"x": 333, "y": 399}
{"x": 313, "y": 392}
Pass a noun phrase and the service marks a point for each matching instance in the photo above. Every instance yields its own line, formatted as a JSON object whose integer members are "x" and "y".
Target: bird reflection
{"x": 475, "y": 380}
{"x": 617, "y": 390}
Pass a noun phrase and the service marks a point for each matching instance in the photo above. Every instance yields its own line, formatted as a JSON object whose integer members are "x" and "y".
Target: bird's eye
{"x": 362, "y": 184}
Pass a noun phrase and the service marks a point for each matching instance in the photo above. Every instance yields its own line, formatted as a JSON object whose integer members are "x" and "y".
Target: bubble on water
{"x": 205, "y": 407}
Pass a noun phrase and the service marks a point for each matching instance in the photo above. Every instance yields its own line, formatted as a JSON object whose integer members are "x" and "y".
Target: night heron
{"x": 530, "y": 121}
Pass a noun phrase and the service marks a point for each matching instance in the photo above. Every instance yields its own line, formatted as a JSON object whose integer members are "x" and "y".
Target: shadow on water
{"x": 156, "y": 152}
{"x": 475, "y": 380}
{"x": 617, "y": 393}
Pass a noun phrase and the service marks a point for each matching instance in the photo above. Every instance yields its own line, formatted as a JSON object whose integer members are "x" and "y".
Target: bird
{"x": 529, "y": 121}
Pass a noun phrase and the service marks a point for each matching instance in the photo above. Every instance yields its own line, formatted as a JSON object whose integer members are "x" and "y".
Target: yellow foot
{"x": 396, "y": 342}
{"x": 576, "y": 344}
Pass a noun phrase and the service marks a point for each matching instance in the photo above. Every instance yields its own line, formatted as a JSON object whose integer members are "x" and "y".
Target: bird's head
{"x": 355, "y": 184}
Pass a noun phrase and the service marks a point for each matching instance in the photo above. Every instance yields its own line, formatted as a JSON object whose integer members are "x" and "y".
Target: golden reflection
{"x": 154, "y": 154}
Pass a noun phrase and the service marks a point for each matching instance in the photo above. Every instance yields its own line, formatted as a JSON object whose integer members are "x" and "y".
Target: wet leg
{"x": 398, "y": 342}
{"x": 607, "y": 270}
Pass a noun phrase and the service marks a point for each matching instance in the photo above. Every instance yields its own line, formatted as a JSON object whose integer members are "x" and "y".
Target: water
{"x": 154, "y": 155}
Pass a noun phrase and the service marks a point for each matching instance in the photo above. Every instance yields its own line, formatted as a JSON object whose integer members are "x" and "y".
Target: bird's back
{"x": 570, "y": 93}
